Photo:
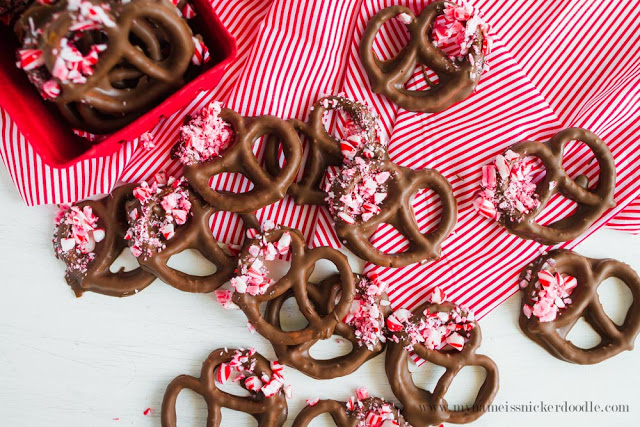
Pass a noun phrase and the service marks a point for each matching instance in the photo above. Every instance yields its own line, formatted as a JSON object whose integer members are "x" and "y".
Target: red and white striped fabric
{"x": 555, "y": 64}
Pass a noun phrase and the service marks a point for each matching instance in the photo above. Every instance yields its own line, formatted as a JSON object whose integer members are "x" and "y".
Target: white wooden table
{"x": 101, "y": 361}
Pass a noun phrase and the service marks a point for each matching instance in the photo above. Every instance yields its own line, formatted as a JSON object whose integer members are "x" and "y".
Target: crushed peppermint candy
{"x": 252, "y": 272}
{"x": 435, "y": 330}
{"x": 357, "y": 191}
{"x": 147, "y": 141}
{"x": 365, "y": 315}
{"x": 455, "y": 32}
{"x": 72, "y": 64}
{"x": 361, "y": 133}
{"x": 508, "y": 188}
{"x": 373, "y": 411}
{"x": 241, "y": 368}
{"x": 159, "y": 209}
{"x": 75, "y": 237}
{"x": 552, "y": 292}
{"x": 204, "y": 137}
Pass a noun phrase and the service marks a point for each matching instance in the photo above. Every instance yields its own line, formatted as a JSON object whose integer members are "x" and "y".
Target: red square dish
{"x": 52, "y": 137}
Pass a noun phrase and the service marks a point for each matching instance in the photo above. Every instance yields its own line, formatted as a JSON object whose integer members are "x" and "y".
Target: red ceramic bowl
{"x": 52, "y": 137}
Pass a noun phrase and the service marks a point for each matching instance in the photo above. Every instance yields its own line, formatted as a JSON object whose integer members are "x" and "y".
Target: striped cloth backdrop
{"x": 554, "y": 65}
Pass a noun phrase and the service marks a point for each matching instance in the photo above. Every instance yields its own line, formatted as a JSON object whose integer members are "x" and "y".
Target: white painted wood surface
{"x": 101, "y": 361}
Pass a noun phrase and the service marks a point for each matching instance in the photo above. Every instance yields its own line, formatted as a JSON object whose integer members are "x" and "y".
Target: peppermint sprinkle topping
{"x": 365, "y": 316}
{"x": 253, "y": 274}
{"x": 204, "y": 137}
{"x": 437, "y": 330}
{"x": 160, "y": 207}
{"x": 75, "y": 236}
{"x": 242, "y": 368}
{"x": 358, "y": 191}
{"x": 373, "y": 411}
{"x": 507, "y": 188}
{"x": 551, "y": 294}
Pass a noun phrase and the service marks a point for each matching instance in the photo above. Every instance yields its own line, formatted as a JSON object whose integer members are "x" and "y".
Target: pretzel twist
{"x": 323, "y": 297}
{"x": 303, "y": 261}
{"x": 591, "y": 203}
{"x": 239, "y": 158}
{"x": 396, "y": 210}
{"x": 269, "y": 412}
{"x": 585, "y": 303}
{"x": 457, "y": 80}
{"x": 110, "y": 211}
{"x": 425, "y": 408}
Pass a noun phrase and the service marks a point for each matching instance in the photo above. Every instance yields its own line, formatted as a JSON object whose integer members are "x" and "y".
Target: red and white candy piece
{"x": 224, "y": 373}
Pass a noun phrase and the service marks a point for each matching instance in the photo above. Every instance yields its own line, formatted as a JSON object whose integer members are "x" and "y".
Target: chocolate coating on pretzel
{"x": 148, "y": 50}
{"x": 342, "y": 416}
{"x": 456, "y": 78}
{"x": 585, "y": 303}
{"x": 303, "y": 261}
{"x": 268, "y": 411}
{"x": 426, "y": 408}
{"x": 323, "y": 296}
{"x": 195, "y": 233}
{"x": 97, "y": 277}
{"x": 324, "y": 149}
{"x": 239, "y": 158}
{"x": 591, "y": 203}
{"x": 396, "y": 210}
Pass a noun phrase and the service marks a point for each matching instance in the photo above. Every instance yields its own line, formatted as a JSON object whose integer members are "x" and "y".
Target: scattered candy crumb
{"x": 75, "y": 237}
{"x": 365, "y": 316}
{"x": 242, "y": 367}
{"x": 552, "y": 293}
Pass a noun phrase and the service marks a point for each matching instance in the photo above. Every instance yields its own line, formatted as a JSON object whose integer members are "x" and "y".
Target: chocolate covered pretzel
{"x": 360, "y": 410}
{"x": 266, "y": 401}
{"x": 510, "y": 196}
{"x": 220, "y": 141}
{"x": 449, "y": 40}
{"x": 89, "y": 237}
{"x": 369, "y": 193}
{"x": 326, "y": 150}
{"x": 105, "y": 62}
{"x": 560, "y": 288}
{"x": 363, "y": 327}
{"x": 443, "y": 334}
{"x": 167, "y": 218}
{"x": 253, "y": 287}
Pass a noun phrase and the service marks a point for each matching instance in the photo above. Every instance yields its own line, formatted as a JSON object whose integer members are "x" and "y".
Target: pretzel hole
{"x": 236, "y": 418}
{"x": 234, "y": 182}
{"x": 465, "y": 386}
{"x": 389, "y": 240}
{"x": 191, "y": 409}
{"x": 422, "y": 79}
{"x": 191, "y": 261}
{"x": 335, "y": 346}
{"x": 322, "y": 420}
{"x": 228, "y": 227}
{"x": 427, "y": 208}
{"x": 391, "y": 39}
{"x": 291, "y": 319}
{"x": 424, "y": 374}
{"x": 578, "y": 159}
{"x": 616, "y": 298}
{"x": 557, "y": 208}
{"x": 125, "y": 262}
{"x": 583, "y": 335}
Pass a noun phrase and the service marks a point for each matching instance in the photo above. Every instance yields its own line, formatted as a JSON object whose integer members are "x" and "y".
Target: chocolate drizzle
{"x": 590, "y": 273}
{"x": 239, "y": 158}
{"x": 268, "y": 411}
{"x": 303, "y": 262}
{"x": 426, "y": 408}
{"x": 111, "y": 214}
{"x": 457, "y": 79}
{"x": 323, "y": 296}
{"x": 591, "y": 203}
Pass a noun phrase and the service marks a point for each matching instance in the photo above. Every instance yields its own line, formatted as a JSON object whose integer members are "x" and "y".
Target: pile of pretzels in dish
{"x": 104, "y": 63}
{"x": 351, "y": 174}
